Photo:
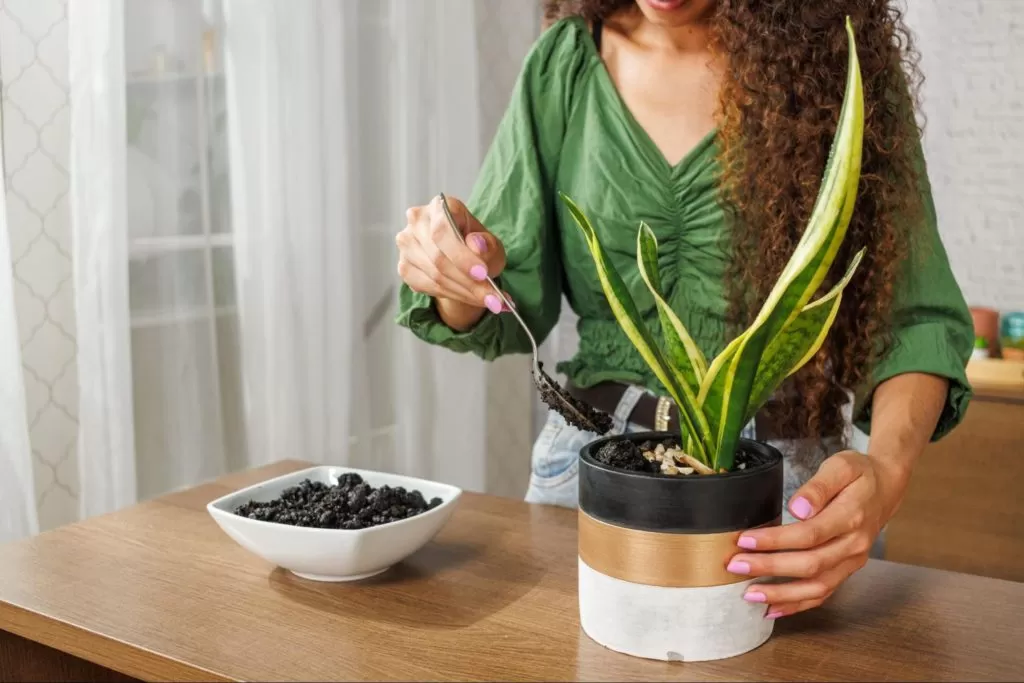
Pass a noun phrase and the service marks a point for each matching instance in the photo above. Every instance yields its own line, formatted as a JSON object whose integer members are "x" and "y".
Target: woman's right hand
{"x": 434, "y": 261}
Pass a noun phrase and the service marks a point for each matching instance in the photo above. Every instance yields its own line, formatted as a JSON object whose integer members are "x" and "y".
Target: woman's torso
{"x": 617, "y": 174}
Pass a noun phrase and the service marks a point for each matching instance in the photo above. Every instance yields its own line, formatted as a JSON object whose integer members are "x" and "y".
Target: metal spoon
{"x": 575, "y": 413}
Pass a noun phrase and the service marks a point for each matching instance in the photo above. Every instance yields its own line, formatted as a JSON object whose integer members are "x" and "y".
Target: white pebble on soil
{"x": 670, "y": 460}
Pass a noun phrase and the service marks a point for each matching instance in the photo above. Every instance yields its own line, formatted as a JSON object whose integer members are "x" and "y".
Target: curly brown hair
{"x": 779, "y": 105}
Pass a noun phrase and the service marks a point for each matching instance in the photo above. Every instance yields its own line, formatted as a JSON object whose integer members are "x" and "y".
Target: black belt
{"x": 606, "y": 396}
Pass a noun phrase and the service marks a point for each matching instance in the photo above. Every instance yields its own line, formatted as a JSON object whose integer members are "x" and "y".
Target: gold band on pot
{"x": 659, "y": 559}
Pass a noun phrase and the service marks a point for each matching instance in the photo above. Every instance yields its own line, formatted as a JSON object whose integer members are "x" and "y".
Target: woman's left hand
{"x": 842, "y": 510}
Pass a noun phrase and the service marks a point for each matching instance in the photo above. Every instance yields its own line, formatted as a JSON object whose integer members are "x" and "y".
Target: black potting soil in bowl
{"x": 349, "y": 504}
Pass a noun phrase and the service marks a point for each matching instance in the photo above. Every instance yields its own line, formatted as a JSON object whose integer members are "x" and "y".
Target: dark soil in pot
{"x": 349, "y": 504}
{"x": 634, "y": 456}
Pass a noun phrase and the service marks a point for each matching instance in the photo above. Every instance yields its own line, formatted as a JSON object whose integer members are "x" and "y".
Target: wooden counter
{"x": 964, "y": 508}
{"x": 158, "y": 592}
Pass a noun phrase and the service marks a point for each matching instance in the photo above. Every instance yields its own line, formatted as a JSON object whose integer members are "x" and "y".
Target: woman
{"x": 712, "y": 120}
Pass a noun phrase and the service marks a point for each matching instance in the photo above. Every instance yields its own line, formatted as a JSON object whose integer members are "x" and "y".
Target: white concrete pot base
{"x": 670, "y": 624}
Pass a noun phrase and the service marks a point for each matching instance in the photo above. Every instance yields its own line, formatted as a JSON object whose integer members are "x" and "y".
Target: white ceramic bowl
{"x": 334, "y": 554}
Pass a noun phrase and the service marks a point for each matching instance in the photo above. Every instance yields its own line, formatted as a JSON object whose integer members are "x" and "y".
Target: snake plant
{"x": 716, "y": 400}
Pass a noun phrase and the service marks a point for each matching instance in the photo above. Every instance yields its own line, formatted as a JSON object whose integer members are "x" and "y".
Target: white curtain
{"x": 341, "y": 114}
{"x": 98, "y": 184}
{"x": 239, "y": 170}
{"x": 18, "y": 515}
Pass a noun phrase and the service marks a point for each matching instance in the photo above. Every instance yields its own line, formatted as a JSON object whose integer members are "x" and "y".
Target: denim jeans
{"x": 554, "y": 465}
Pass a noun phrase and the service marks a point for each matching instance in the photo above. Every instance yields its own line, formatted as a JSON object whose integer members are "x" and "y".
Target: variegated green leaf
{"x": 798, "y": 342}
{"x": 631, "y": 322}
{"x": 683, "y": 353}
{"x": 726, "y": 390}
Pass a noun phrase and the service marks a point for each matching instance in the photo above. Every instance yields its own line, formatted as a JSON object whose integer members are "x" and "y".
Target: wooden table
{"x": 158, "y": 592}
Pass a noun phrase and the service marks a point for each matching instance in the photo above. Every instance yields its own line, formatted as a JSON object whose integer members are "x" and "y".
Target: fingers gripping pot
{"x": 653, "y": 551}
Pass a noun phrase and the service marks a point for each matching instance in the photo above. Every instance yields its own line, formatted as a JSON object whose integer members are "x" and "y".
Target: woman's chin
{"x": 664, "y": 5}
{"x": 674, "y": 12}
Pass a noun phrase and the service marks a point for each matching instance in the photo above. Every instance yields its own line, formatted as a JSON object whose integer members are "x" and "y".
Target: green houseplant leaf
{"x": 726, "y": 391}
{"x": 792, "y": 348}
{"x": 632, "y": 323}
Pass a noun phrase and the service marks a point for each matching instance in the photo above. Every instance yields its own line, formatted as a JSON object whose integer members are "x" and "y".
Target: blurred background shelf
{"x": 179, "y": 317}
{"x": 142, "y": 247}
{"x": 170, "y": 78}
{"x": 997, "y": 377}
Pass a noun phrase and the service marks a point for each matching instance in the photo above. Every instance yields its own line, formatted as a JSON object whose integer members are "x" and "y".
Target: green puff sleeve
{"x": 933, "y": 330}
{"x": 514, "y": 198}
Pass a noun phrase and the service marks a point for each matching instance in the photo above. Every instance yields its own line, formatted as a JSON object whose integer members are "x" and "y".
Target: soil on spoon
{"x": 598, "y": 421}
{"x": 349, "y": 504}
{"x": 655, "y": 457}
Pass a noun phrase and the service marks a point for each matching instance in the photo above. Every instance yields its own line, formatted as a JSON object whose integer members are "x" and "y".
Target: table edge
{"x": 74, "y": 640}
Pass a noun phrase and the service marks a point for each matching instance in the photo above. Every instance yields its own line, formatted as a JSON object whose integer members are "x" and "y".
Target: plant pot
{"x": 986, "y": 325}
{"x": 1012, "y": 336}
{"x": 653, "y": 551}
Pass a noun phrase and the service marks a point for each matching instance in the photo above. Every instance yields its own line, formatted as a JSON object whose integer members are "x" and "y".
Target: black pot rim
{"x": 706, "y": 503}
{"x": 593, "y": 446}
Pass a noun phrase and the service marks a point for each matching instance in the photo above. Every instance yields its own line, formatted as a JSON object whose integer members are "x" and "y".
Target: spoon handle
{"x": 497, "y": 290}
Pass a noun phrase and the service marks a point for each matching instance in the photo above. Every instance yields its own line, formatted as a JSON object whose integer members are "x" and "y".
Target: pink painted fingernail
{"x": 478, "y": 273}
{"x": 773, "y": 615}
{"x": 800, "y": 507}
{"x": 748, "y": 542}
{"x": 738, "y": 567}
{"x": 493, "y": 303}
{"x": 477, "y": 243}
{"x": 755, "y": 596}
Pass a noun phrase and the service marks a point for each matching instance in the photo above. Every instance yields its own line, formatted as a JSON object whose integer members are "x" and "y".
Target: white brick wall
{"x": 973, "y": 61}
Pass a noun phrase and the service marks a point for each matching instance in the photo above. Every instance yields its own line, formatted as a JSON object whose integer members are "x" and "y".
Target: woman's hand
{"x": 843, "y": 508}
{"x": 434, "y": 261}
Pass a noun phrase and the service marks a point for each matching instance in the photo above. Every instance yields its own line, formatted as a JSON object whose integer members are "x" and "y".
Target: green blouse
{"x": 566, "y": 129}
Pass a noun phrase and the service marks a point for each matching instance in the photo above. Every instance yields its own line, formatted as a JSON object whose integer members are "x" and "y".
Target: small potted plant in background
{"x": 1013, "y": 336}
{"x": 981, "y": 349}
{"x": 661, "y": 512}
{"x": 986, "y": 326}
